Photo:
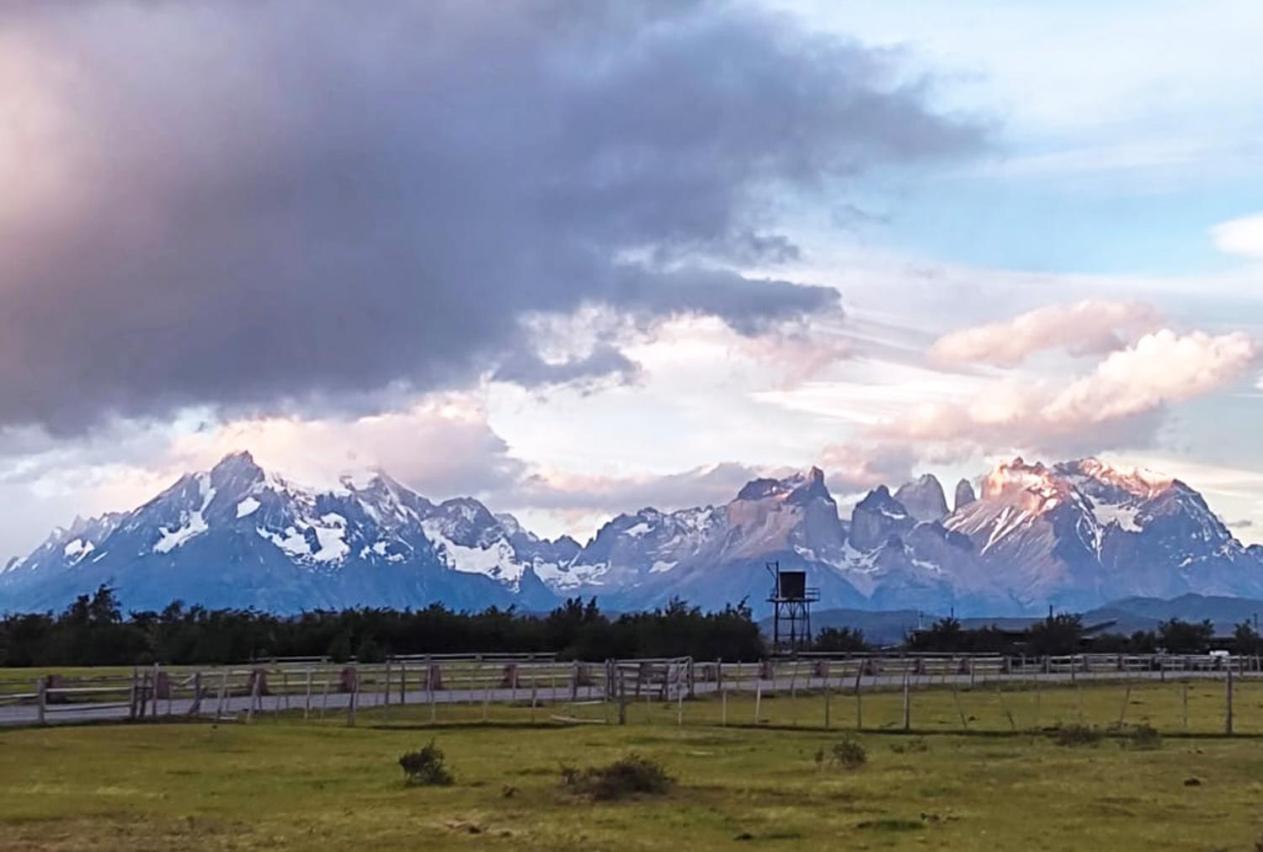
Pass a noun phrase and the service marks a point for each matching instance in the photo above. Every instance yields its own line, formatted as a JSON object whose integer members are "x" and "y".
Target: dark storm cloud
{"x": 260, "y": 204}
{"x": 604, "y": 361}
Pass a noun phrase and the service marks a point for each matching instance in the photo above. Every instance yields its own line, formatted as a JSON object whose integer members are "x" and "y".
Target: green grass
{"x": 282, "y": 783}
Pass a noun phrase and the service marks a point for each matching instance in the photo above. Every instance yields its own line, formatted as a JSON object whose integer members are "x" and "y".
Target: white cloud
{"x": 1088, "y": 327}
{"x": 1160, "y": 368}
{"x": 1242, "y": 236}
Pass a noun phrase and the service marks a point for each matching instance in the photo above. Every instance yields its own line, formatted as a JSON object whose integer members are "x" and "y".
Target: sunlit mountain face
{"x": 1072, "y": 535}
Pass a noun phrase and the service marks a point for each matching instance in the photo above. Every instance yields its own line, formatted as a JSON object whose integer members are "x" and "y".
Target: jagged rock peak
{"x": 799, "y": 486}
{"x": 239, "y": 462}
{"x": 876, "y": 518}
{"x": 923, "y": 498}
{"x": 1017, "y": 476}
{"x": 964, "y": 494}
{"x": 880, "y": 499}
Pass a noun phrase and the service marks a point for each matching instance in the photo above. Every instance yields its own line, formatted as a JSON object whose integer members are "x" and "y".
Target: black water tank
{"x": 793, "y": 584}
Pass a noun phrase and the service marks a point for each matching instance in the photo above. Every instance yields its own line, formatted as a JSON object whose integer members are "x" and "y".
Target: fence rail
{"x": 316, "y": 687}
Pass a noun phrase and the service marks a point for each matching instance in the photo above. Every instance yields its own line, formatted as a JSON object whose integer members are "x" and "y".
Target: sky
{"x": 578, "y": 257}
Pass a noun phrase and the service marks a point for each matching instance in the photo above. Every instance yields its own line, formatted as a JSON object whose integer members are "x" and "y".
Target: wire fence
{"x": 912, "y": 692}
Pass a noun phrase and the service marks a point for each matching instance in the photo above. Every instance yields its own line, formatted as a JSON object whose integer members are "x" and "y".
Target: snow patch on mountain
{"x": 1123, "y": 517}
{"x": 194, "y": 522}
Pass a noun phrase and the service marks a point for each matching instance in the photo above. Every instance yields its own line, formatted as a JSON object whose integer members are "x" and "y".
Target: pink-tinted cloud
{"x": 1119, "y": 402}
{"x": 1082, "y": 328}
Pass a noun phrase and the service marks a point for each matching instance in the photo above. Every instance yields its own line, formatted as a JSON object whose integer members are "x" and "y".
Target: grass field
{"x": 288, "y": 784}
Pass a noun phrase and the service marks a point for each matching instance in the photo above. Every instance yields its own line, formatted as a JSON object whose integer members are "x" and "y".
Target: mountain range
{"x": 1073, "y": 535}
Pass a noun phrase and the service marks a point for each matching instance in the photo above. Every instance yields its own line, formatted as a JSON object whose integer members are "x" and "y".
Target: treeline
{"x": 1063, "y": 634}
{"x": 94, "y": 631}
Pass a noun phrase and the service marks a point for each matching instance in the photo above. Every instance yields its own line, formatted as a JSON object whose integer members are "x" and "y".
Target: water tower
{"x": 791, "y": 602}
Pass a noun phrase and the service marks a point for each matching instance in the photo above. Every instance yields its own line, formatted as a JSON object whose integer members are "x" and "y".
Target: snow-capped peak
{"x": 1138, "y": 482}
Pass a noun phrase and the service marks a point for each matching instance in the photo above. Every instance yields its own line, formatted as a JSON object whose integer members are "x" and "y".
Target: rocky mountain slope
{"x": 236, "y": 536}
{"x": 1074, "y": 535}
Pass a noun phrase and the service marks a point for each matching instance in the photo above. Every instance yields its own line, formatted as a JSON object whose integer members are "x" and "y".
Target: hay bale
{"x": 349, "y": 679}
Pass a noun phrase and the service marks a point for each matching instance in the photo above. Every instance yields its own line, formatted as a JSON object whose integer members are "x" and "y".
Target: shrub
{"x": 624, "y": 777}
{"x": 1076, "y": 735}
{"x": 426, "y": 767}
{"x": 848, "y": 754}
{"x": 1143, "y": 736}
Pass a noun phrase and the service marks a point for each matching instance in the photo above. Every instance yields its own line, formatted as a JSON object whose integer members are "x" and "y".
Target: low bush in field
{"x": 847, "y": 754}
{"x": 1076, "y": 735}
{"x": 627, "y": 776}
{"x": 426, "y": 767}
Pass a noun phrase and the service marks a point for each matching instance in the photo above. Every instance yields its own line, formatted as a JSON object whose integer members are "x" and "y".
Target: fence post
{"x": 680, "y": 674}
{"x": 1037, "y": 702}
{"x": 403, "y": 683}
{"x": 429, "y": 680}
{"x": 307, "y": 701}
{"x": 223, "y": 689}
{"x": 859, "y": 702}
{"x": 41, "y": 697}
{"x": 255, "y": 683}
{"x": 1185, "y": 692}
{"x": 355, "y": 692}
{"x": 486, "y": 695}
{"x": 131, "y": 697}
{"x": 324, "y": 693}
{"x": 907, "y": 703}
{"x": 827, "y": 694}
{"x": 622, "y": 697}
{"x": 1228, "y": 700}
{"x": 758, "y": 699}
{"x": 622, "y": 711}
{"x": 196, "y": 707}
{"x": 154, "y": 690}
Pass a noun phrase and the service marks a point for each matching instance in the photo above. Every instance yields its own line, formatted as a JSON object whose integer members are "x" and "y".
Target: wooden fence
{"x": 317, "y": 687}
